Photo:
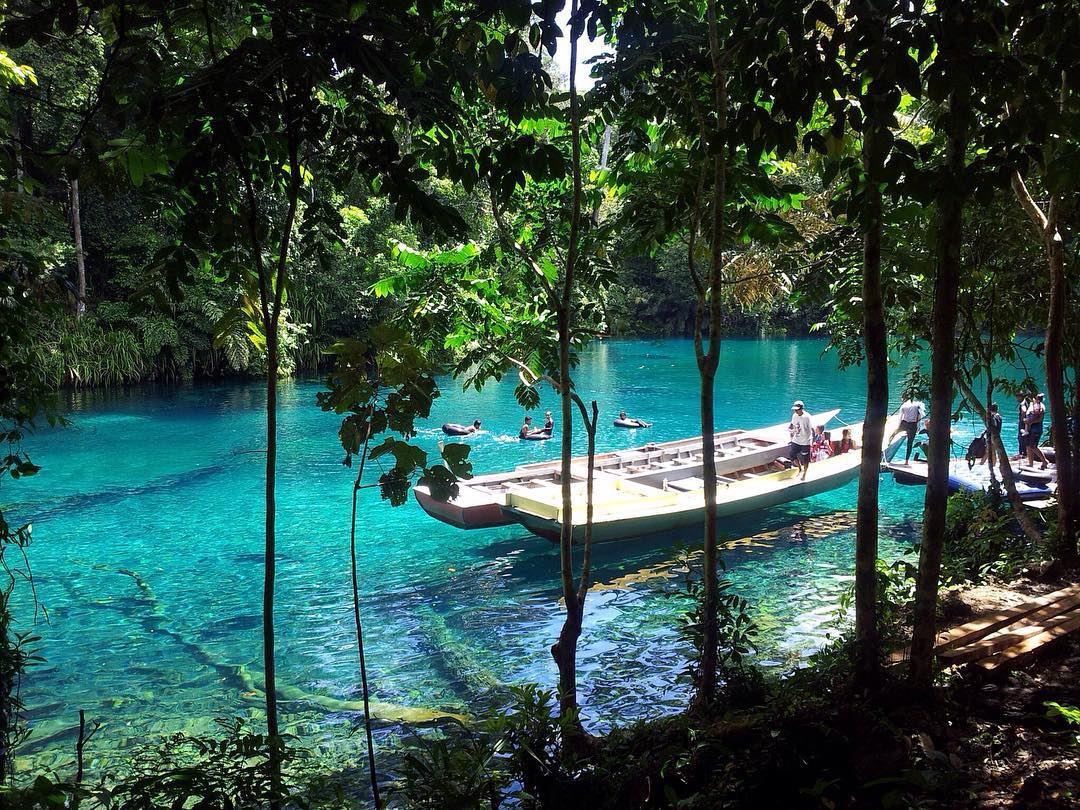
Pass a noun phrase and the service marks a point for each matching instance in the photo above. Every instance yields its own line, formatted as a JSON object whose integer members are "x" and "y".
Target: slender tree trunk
{"x": 270, "y": 557}
{"x": 867, "y": 643}
{"x": 8, "y": 716}
{"x": 708, "y": 362}
{"x": 1068, "y": 498}
{"x": 564, "y": 651}
{"x": 943, "y": 358}
{"x": 1008, "y": 480}
{"x": 372, "y": 772}
{"x": 1067, "y": 495}
{"x": 80, "y": 261}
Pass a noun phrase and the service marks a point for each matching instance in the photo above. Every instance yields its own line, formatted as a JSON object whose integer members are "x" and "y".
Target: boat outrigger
{"x": 651, "y": 489}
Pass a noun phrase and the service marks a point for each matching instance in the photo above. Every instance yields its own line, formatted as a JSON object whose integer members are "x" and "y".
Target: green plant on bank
{"x": 982, "y": 541}
{"x": 511, "y": 756}
{"x": 194, "y": 772}
{"x": 1071, "y": 716}
{"x": 739, "y": 680}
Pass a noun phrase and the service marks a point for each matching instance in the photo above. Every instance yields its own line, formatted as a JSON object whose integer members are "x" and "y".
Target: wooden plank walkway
{"x": 1008, "y": 637}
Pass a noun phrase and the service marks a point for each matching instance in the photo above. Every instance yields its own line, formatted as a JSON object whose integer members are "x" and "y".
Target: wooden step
{"x": 1014, "y": 634}
{"x": 1014, "y": 655}
{"x": 985, "y": 625}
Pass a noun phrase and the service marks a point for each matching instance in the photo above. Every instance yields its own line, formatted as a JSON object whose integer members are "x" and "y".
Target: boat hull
{"x": 637, "y": 526}
{"x": 463, "y": 516}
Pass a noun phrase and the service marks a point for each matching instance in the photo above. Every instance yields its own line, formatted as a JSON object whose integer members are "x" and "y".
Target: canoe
{"x": 652, "y": 488}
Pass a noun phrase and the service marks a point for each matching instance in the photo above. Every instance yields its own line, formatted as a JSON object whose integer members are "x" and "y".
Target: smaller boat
{"x": 1031, "y": 485}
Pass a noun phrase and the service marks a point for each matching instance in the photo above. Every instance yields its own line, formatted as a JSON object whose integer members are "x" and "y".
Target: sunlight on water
{"x": 148, "y": 555}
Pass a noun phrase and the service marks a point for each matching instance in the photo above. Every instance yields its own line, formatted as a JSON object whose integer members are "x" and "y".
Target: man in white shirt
{"x": 802, "y": 435}
{"x": 912, "y": 412}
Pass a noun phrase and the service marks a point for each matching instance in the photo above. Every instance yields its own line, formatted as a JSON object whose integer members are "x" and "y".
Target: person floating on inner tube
{"x": 625, "y": 421}
{"x": 529, "y": 433}
{"x": 454, "y": 429}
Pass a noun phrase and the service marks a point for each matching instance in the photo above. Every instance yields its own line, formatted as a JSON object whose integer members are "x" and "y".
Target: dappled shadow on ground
{"x": 1012, "y": 753}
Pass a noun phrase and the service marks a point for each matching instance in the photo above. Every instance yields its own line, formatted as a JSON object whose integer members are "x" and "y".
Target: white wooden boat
{"x": 653, "y": 488}
{"x": 629, "y": 507}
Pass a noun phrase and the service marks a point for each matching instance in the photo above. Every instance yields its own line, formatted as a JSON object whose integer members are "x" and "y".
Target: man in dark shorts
{"x": 802, "y": 435}
{"x": 911, "y": 413}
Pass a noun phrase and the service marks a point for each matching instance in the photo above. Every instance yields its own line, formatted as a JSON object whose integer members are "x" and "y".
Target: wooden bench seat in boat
{"x": 691, "y": 484}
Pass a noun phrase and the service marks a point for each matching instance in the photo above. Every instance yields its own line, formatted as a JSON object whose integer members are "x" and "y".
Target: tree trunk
{"x": 80, "y": 262}
{"x": 269, "y": 556}
{"x": 707, "y": 365}
{"x": 1068, "y": 498}
{"x": 372, "y": 772}
{"x": 1067, "y": 495}
{"x": 867, "y": 643}
{"x": 564, "y": 651}
{"x": 1008, "y": 480}
{"x": 951, "y": 198}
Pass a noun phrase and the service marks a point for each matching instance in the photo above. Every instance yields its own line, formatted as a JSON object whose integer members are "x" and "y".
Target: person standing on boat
{"x": 802, "y": 436}
{"x": 1034, "y": 416}
{"x": 1021, "y": 429}
{"x": 912, "y": 412}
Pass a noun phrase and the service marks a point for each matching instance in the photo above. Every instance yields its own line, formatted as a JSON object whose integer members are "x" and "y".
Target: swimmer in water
{"x": 631, "y": 422}
{"x": 454, "y": 429}
{"x": 535, "y": 434}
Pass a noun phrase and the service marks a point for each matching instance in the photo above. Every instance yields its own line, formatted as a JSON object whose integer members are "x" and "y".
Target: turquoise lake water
{"x": 147, "y": 553}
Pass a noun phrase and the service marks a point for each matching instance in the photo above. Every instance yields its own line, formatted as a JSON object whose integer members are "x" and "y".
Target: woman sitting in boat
{"x": 846, "y": 442}
{"x": 625, "y": 421}
{"x": 821, "y": 448}
{"x": 454, "y": 429}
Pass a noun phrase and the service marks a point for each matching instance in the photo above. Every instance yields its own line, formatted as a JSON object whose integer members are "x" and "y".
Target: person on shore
{"x": 802, "y": 436}
{"x": 911, "y": 413}
{"x": 454, "y": 429}
{"x": 1021, "y": 428}
{"x": 1035, "y": 415}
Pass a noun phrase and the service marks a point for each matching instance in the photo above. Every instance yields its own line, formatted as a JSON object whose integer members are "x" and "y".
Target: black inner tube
{"x": 451, "y": 429}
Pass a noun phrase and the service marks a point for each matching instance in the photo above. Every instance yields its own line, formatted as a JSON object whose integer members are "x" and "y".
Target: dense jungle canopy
{"x": 392, "y": 193}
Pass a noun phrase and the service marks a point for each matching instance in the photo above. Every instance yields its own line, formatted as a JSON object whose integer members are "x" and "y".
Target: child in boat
{"x": 846, "y": 442}
{"x": 821, "y": 448}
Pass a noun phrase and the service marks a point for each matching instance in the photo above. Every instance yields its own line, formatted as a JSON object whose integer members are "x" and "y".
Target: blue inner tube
{"x": 631, "y": 423}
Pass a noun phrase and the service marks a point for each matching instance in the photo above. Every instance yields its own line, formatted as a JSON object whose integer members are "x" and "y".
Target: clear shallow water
{"x": 148, "y": 549}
